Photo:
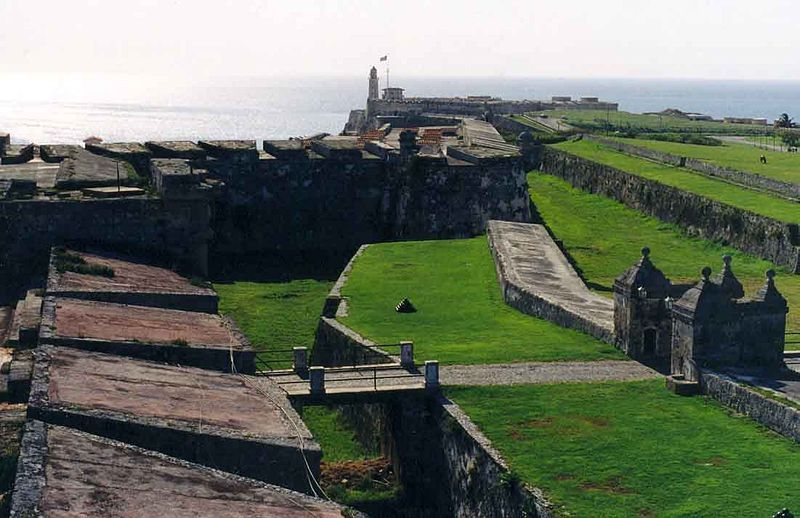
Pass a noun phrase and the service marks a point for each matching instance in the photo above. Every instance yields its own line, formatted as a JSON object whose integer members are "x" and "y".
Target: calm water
{"x": 66, "y": 109}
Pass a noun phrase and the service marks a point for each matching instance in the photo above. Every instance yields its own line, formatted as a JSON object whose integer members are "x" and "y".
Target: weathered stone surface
{"x": 174, "y": 232}
{"x": 55, "y": 153}
{"x": 238, "y": 424}
{"x": 83, "y": 169}
{"x": 167, "y": 335}
{"x": 134, "y": 283}
{"x": 175, "y": 149}
{"x": 17, "y": 154}
{"x": 67, "y": 472}
{"x": 770, "y": 239}
{"x": 536, "y": 278}
{"x": 774, "y": 415}
{"x": 134, "y": 153}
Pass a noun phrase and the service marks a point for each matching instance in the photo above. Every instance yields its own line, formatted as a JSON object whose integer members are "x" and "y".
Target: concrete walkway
{"x": 544, "y": 372}
{"x": 539, "y": 280}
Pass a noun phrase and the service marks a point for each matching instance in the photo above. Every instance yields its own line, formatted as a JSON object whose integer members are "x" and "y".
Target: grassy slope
{"x": 604, "y": 237}
{"x": 337, "y": 440}
{"x": 628, "y": 449}
{"x": 275, "y": 315}
{"x": 780, "y": 166}
{"x": 621, "y": 119}
{"x": 461, "y": 316}
{"x": 730, "y": 194}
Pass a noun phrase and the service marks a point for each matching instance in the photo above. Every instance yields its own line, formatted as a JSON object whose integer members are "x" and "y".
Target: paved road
{"x": 544, "y": 372}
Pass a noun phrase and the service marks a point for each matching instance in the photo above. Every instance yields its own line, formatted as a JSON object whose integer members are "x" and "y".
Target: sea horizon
{"x": 66, "y": 108}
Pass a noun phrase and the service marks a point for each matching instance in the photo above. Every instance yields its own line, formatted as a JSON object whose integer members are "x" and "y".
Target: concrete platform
{"x": 537, "y": 279}
{"x": 83, "y": 169}
{"x": 166, "y": 335}
{"x": 64, "y": 472}
{"x": 233, "y": 423}
{"x": 133, "y": 283}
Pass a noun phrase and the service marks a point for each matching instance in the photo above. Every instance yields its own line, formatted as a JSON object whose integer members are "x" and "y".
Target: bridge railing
{"x": 371, "y": 377}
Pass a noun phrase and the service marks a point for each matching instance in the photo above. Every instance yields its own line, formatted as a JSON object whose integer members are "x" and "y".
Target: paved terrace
{"x": 183, "y": 337}
{"x": 133, "y": 282}
{"x": 539, "y": 280}
{"x": 42, "y": 173}
{"x": 226, "y": 421}
{"x": 64, "y": 472}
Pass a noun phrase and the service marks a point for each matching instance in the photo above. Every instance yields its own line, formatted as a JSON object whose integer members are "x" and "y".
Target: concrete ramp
{"x": 537, "y": 279}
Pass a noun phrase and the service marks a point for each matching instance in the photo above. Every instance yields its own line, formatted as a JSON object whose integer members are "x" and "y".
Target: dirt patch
{"x": 599, "y": 422}
{"x": 561, "y": 477}
{"x": 355, "y": 474}
{"x": 542, "y": 422}
{"x": 646, "y": 513}
{"x": 612, "y": 485}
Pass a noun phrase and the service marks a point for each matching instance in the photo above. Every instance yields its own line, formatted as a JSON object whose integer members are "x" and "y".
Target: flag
{"x": 384, "y": 58}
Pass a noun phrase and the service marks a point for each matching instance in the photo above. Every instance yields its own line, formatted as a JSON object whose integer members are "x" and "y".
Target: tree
{"x": 784, "y": 121}
{"x": 791, "y": 138}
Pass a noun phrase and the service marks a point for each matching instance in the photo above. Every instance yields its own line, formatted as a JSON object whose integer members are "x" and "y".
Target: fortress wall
{"x": 340, "y": 205}
{"x": 699, "y": 216}
{"x": 773, "y": 414}
{"x": 753, "y": 180}
{"x": 175, "y": 232}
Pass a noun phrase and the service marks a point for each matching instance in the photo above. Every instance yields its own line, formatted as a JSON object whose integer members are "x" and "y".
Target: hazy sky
{"x": 739, "y": 39}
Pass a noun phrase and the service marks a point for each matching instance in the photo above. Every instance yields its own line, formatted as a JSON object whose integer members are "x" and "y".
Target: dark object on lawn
{"x": 405, "y": 306}
{"x": 784, "y": 513}
{"x": 763, "y": 159}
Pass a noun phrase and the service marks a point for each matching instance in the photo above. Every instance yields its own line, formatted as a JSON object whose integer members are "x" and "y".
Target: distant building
{"x": 393, "y": 94}
{"x": 745, "y": 120}
{"x": 373, "y": 85}
{"x": 92, "y": 141}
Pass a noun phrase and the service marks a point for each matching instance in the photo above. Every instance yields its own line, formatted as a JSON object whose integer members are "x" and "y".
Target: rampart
{"x": 302, "y": 200}
{"x": 174, "y": 231}
{"x": 770, "y": 239}
{"x": 753, "y": 180}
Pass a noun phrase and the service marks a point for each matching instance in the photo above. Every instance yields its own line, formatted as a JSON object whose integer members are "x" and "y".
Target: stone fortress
{"x": 102, "y": 252}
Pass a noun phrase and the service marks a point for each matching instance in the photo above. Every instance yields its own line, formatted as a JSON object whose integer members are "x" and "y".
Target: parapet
{"x": 293, "y": 149}
{"x": 133, "y": 152}
{"x": 338, "y": 148}
{"x": 17, "y": 154}
{"x": 175, "y": 178}
{"x": 176, "y": 149}
{"x": 237, "y": 150}
{"x": 56, "y": 153}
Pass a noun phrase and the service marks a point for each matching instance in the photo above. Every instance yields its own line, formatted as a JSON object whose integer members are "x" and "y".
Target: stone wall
{"x": 174, "y": 232}
{"x": 773, "y": 414}
{"x": 336, "y": 345}
{"x": 753, "y": 180}
{"x": 339, "y": 205}
{"x": 753, "y": 233}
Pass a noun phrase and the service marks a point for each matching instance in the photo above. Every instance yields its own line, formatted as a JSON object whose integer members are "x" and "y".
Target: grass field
{"x": 635, "y": 449}
{"x": 605, "y": 238}
{"x": 626, "y": 121}
{"x": 780, "y": 166}
{"x": 461, "y": 317}
{"x": 757, "y": 202}
{"x": 275, "y": 315}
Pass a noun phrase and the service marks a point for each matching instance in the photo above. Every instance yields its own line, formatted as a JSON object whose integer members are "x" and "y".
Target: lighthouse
{"x": 373, "y": 85}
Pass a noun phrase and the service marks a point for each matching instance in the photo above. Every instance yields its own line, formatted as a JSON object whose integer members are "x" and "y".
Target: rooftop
{"x": 66, "y": 472}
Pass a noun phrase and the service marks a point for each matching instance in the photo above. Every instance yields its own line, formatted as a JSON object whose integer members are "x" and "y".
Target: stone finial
{"x": 646, "y": 252}
{"x": 728, "y": 281}
{"x": 706, "y": 273}
{"x": 769, "y": 293}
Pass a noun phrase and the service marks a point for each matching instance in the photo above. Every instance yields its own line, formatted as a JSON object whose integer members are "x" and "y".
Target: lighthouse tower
{"x": 373, "y": 85}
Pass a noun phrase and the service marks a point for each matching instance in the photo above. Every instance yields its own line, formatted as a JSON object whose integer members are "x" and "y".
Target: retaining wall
{"x": 753, "y": 180}
{"x": 752, "y": 233}
{"x": 173, "y": 232}
{"x": 773, "y": 414}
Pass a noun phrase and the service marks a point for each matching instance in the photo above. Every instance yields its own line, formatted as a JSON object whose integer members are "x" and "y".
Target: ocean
{"x": 66, "y": 109}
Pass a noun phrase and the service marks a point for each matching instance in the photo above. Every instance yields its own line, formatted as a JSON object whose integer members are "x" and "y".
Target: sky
{"x": 691, "y": 39}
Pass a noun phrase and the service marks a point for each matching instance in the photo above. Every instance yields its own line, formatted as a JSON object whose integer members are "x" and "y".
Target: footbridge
{"x": 366, "y": 383}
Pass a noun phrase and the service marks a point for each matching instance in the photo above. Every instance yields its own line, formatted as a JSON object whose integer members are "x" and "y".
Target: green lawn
{"x": 275, "y": 315}
{"x": 605, "y": 238}
{"x": 780, "y": 166}
{"x": 757, "y": 202}
{"x": 334, "y": 435}
{"x": 461, "y": 317}
{"x": 636, "y": 449}
{"x": 625, "y": 121}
